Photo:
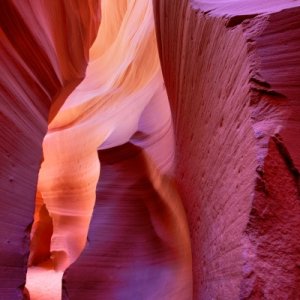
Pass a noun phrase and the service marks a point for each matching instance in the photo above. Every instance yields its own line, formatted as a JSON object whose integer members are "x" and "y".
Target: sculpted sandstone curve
{"x": 170, "y": 160}
{"x": 39, "y": 65}
{"x": 121, "y": 100}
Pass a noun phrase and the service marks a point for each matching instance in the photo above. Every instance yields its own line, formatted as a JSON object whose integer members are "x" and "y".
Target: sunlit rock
{"x": 43, "y": 55}
{"x": 121, "y": 100}
{"x": 157, "y": 150}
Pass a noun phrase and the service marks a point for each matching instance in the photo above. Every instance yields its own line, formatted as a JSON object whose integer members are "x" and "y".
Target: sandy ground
{"x": 43, "y": 283}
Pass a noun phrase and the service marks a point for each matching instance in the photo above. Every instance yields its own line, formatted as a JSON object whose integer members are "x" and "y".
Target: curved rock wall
{"x": 39, "y": 65}
{"x": 138, "y": 239}
{"x": 232, "y": 76}
{"x": 225, "y": 145}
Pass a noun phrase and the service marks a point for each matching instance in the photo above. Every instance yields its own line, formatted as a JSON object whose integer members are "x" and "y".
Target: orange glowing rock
{"x": 43, "y": 55}
{"x": 127, "y": 163}
{"x": 119, "y": 83}
{"x": 121, "y": 99}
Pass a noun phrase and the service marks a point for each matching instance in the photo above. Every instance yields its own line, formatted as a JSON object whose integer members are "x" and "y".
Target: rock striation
{"x": 232, "y": 76}
{"x": 138, "y": 242}
{"x": 39, "y": 66}
{"x": 152, "y": 155}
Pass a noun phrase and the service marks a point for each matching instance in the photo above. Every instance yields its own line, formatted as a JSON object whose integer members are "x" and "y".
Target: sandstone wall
{"x": 232, "y": 76}
{"x": 43, "y": 55}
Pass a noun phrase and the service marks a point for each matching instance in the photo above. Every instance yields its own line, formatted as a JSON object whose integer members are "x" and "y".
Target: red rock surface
{"x": 232, "y": 75}
{"x": 39, "y": 64}
{"x": 137, "y": 243}
{"x": 272, "y": 261}
{"x": 121, "y": 99}
{"x": 125, "y": 170}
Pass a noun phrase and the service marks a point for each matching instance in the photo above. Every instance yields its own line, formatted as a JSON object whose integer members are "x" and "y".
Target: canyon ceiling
{"x": 150, "y": 149}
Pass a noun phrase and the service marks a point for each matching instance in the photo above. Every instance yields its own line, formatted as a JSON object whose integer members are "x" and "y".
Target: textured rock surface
{"x": 38, "y": 64}
{"x": 232, "y": 76}
{"x": 273, "y": 249}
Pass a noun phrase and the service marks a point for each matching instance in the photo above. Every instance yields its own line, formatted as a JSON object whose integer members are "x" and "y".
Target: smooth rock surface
{"x": 39, "y": 65}
{"x": 121, "y": 99}
{"x": 140, "y": 196}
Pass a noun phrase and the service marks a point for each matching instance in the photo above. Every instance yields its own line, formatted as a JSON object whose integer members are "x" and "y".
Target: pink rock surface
{"x": 137, "y": 245}
{"x": 140, "y": 196}
{"x": 38, "y": 65}
{"x": 246, "y": 8}
{"x": 272, "y": 246}
{"x": 121, "y": 99}
{"x": 232, "y": 75}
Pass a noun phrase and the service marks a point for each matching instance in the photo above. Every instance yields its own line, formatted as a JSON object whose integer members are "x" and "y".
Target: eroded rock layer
{"x": 39, "y": 64}
{"x": 232, "y": 76}
{"x": 137, "y": 244}
{"x": 272, "y": 251}
{"x": 138, "y": 238}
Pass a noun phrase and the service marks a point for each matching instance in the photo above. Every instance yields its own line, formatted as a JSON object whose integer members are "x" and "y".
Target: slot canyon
{"x": 150, "y": 149}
